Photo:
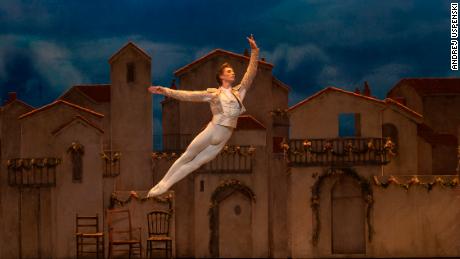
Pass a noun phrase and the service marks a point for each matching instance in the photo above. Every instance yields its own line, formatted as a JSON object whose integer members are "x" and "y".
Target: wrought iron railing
{"x": 32, "y": 172}
{"x": 111, "y": 163}
{"x": 339, "y": 151}
{"x": 232, "y": 159}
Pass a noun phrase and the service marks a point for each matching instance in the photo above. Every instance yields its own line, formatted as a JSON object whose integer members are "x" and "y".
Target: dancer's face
{"x": 227, "y": 75}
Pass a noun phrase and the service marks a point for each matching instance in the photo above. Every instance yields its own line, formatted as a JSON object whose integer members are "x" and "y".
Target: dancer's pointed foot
{"x": 157, "y": 190}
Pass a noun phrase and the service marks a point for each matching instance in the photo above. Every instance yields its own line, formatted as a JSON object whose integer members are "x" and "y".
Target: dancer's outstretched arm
{"x": 251, "y": 70}
{"x": 191, "y": 96}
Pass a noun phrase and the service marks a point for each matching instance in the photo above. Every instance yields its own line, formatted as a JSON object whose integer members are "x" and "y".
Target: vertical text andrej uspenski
{"x": 454, "y": 36}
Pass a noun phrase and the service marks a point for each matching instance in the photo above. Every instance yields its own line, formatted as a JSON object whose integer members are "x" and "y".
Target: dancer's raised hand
{"x": 156, "y": 89}
{"x": 252, "y": 42}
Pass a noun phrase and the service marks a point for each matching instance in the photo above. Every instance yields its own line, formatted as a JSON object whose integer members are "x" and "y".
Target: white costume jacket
{"x": 225, "y": 109}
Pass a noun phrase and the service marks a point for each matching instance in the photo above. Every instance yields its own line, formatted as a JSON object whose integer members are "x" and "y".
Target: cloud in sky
{"x": 312, "y": 43}
{"x": 54, "y": 63}
{"x": 292, "y": 56}
{"x": 35, "y": 68}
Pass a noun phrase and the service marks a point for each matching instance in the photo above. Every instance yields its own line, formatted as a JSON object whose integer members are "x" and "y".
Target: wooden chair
{"x": 87, "y": 234}
{"x": 158, "y": 227}
{"x": 121, "y": 233}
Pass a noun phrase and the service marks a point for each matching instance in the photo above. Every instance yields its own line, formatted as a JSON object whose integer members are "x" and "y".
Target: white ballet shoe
{"x": 157, "y": 190}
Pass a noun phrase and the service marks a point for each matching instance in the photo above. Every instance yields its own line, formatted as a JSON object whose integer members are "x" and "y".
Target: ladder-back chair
{"x": 87, "y": 235}
{"x": 121, "y": 233}
{"x": 158, "y": 227}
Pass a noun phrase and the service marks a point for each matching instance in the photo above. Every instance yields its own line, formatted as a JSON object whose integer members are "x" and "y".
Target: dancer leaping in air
{"x": 226, "y": 104}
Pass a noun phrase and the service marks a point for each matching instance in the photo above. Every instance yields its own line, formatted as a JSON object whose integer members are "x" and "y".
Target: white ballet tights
{"x": 205, "y": 147}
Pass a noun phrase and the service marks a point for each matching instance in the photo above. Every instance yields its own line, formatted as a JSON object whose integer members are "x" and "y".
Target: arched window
{"x": 390, "y": 130}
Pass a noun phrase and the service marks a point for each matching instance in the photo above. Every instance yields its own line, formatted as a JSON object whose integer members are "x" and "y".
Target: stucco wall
{"x": 78, "y": 98}
{"x": 10, "y": 136}
{"x": 413, "y": 99}
{"x": 319, "y": 117}
{"x": 131, "y": 120}
{"x": 257, "y": 181}
{"x": 413, "y": 223}
{"x": 47, "y": 222}
{"x": 406, "y": 159}
{"x": 86, "y": 196}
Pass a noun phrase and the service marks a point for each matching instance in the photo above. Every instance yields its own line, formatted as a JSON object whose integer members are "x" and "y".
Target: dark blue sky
{"x": 47, "y": 46}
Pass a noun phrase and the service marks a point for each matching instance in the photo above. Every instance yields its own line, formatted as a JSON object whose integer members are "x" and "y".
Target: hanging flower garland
{"x": 389, "y": 147}
{"x": 328, "y": 147}
{"x": 414, "y": 181}
{"x": 238, "y": 150}
{"x": 164, "y": 155}
{"x": 38, "y": 162}
{"x": 29, "y": 163}
{"x": 366, "y": 191}
{"x": 52, "y": 161}
{"x": 279, "y": 112}
{"x": 115, "y": 157}
{"x": 225, "y": 188}
{"x": 40, "y": 177}
{"x": 76, "y": 148}
{"x": 242, "y": 151}
{"x": 234, "y": 185}
{"x": 112, "y": 161}
{"x": 114, "y": 200}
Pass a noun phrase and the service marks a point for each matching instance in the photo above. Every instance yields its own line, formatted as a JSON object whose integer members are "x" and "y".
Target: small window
{"x": 201, "y": 186}
{"x": 130, "y": 72}
{"x": 349, "y": 125}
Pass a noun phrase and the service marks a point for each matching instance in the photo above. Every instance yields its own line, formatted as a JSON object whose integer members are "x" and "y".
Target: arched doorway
{"x": 348, "y": 217}
{"x": 235, "y": 227}
{"x": 230, "y": 218}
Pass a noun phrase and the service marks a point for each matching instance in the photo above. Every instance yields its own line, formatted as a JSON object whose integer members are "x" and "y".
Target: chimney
{"x": 367, "y": 90}
{"x": 246, "y": 53}
{"x": 357, "y": 91}
{"x": 12, "y": 96}
{"x": 263, "y": 59}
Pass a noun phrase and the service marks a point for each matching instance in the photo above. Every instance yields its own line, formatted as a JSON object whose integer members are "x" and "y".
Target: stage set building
{"x": 339, "y": 174}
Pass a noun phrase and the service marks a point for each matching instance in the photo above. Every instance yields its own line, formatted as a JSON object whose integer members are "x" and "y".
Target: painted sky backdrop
{"x": 47, "y": 46}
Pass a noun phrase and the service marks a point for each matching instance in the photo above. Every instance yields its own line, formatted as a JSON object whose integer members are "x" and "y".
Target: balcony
{"x": 338, "y": 152}
{"x": 32, "y": 172}
{"x": 111, "y": 163}
{"x": 231, "y": 160}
